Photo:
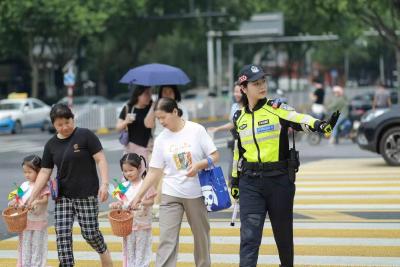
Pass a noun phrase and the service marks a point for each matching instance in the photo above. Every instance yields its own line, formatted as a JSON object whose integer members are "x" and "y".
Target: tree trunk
{"x": 102, "y": 85}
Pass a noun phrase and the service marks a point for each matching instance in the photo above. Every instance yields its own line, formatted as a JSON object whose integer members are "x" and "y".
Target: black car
{"x": 379, "y": 132}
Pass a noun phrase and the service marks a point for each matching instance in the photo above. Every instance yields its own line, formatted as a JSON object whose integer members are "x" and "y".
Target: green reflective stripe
{"x": 234, "y": 166}
{"x": 235, "y": 159}
{"x": 260, "y": 139}
{"x": 247, "y": 140}
{"x": 291, "y": 116}
{"x": 299, "y": 117}
{"x": 245, "y": 133}
{"x": 307, "y": 119}
{"x": 247, "y": 143}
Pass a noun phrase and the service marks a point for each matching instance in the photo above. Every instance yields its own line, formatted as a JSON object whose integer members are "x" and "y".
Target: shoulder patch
{"x": 236, "y": 116}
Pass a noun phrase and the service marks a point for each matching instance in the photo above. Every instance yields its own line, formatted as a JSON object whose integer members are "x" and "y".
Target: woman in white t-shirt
{"x": 180, "y": 151}
{"x": 168, "y": 91}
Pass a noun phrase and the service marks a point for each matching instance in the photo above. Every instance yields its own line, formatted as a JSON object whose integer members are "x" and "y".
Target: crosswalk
{"x": 346, "y": 214}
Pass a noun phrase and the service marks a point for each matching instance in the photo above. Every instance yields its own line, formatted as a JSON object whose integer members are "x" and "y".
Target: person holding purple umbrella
{"x": 132, "y": 118}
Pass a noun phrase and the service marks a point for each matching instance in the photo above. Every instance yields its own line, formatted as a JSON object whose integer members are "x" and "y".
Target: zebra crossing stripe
{"x": 186, "y": 259}
{"x": 374, "y": 230}
{"x": 230, "y": 249}
{"x": 219, "y": 240}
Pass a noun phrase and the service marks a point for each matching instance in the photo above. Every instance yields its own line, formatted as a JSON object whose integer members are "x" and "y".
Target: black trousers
{"x": 87, "y": 212}
{"x": 261, "y": 195}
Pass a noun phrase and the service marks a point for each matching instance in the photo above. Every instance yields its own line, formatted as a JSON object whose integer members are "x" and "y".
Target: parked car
{"x": 18, "y": 114}
{"x": 379, "y": 132}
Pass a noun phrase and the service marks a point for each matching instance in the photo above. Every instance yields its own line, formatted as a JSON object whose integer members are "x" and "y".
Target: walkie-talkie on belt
{"x": 293, "y": 161}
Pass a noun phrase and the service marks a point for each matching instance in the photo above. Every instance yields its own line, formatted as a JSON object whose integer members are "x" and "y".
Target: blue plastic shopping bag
{"x": 214, "y": 189}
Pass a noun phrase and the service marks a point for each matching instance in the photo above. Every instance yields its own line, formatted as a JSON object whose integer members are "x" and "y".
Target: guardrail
{"x": 105, "y": 117}
{"x": 97, "y": 117}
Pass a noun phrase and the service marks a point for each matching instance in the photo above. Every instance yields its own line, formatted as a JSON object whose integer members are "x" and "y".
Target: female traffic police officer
{"x": 263, "y": 171}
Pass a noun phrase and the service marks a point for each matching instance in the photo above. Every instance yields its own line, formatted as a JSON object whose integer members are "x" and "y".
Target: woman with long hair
{"x": 132, "y": 118}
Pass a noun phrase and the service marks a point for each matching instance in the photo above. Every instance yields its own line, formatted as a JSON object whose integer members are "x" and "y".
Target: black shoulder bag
{"x": 54, "y": 183}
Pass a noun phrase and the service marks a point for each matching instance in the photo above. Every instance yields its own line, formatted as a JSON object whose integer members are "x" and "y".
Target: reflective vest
{"x": 262, "y": 134}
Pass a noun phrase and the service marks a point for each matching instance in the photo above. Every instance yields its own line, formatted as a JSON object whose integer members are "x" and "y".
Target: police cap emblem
{"x": 254, "y": 69}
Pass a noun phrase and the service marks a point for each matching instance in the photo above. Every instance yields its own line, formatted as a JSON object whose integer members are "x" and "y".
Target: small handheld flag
{"x": 120, "y": 190}
{"x": 17, "y": 193}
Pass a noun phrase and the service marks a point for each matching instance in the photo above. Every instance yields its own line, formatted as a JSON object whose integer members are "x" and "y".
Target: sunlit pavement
{"x": 347, "y": 212}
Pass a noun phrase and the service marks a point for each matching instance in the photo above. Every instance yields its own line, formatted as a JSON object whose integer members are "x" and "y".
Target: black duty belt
{"x": 265, "y": 166}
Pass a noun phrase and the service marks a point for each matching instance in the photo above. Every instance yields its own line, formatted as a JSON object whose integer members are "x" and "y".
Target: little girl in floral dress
{"x": 137, "y": 246}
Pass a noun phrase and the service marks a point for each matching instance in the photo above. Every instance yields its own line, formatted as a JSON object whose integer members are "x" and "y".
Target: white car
{"x": 17, "y": 114}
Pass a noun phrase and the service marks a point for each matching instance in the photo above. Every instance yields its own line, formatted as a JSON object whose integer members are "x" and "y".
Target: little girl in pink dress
{"x": 137, "y": 246}
{"x": 32, "y": 249}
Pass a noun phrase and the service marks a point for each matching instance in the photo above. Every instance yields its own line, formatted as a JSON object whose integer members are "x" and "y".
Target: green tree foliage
{"x": 169, "y": 32}
{"x": 41, "y": 31}
{"x": 120, "y": 34}
{"x": 363, "y": 15}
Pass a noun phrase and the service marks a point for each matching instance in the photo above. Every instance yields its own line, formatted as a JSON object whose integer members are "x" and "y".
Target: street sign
{"x": 69, "y": 78}
{"x": 263, "y": 23}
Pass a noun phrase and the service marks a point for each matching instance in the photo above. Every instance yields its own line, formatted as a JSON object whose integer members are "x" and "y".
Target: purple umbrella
{"x": 155, "y": 74}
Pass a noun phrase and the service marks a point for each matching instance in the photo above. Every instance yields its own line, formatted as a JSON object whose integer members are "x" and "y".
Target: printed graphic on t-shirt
{"x": 181, "y": 155}
{"x": 182, "y": 160}
{"x": 76, "y": 148}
